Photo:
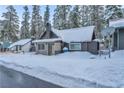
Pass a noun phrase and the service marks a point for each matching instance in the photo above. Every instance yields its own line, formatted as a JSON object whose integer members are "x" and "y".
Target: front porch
{"x": 118, "y": 39}
{"x": 48, "y": 46}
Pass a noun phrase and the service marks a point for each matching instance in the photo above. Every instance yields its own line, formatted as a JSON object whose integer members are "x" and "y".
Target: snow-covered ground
{"x": 71, "y": 69}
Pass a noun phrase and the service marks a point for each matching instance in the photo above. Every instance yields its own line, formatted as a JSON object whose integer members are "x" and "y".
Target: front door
{"x": 49, "y": 49}
{"x": 16, "y": 48}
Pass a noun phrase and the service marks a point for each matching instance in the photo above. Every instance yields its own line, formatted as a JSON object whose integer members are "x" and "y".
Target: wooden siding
{"x": 42, "y": 51}
{"x": 93, "y": 47}
{"x": 56, "y": 48}
{"x": 84, "y": 46}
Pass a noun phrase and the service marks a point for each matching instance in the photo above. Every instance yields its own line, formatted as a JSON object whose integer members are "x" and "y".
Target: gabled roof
{"x": 20, "y": 42}
{"x": 117, "y": 23}
{"x": 81, "y": 34}
{"x": 48, "y": 35}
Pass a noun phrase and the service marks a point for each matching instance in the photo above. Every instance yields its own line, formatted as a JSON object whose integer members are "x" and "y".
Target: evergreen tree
{"x": 10, "y": 24}
{"x": 25, "y": 24}
{"x": 85, "y": 15}
{"x": 97, "y": 13}
{"x": 41, "y": 27}
{"x": 1, "y": 31}
{"x": 113, "y": 12}
{"x": 36, "y": 22}
{"x": 46, "y": 15}
{"x": 75, "y": 17}
{"x": 60, "y": 20}
{"x": 56, "y": 18}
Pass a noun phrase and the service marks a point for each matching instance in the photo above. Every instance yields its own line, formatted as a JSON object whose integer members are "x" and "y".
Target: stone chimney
{"x": 48, "y": 30}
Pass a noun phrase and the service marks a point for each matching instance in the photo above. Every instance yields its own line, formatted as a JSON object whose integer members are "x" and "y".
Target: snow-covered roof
{"x": 108, "y": 31}
{"x": 76, "y": 34}
{"x": 47, "y": 40}
{"x": 117, "y": 23}
{"x": 20, "y": 42}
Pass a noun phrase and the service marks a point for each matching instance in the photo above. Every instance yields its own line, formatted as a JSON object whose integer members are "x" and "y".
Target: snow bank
{"x": 71, "y": 69}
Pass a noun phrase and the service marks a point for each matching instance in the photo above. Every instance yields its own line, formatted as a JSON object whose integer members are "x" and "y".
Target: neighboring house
{"x": 23, "y": 45}
{"x": 77, "y": 39}
{"x": 4, "y": 46}
{"x": 116, "y": 32}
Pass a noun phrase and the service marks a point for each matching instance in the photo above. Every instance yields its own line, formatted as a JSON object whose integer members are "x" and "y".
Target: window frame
{"x": 20, "y": 47}
{"x": 41, "y": 46}
{"x": 70, "y": 46}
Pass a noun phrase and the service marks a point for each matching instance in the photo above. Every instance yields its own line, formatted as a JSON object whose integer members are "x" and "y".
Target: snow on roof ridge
{"x": 47, "y": 40}
{"x": 73, "y": 28}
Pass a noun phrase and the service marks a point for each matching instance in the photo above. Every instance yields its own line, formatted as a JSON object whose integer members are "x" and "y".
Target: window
{"x": 41, "y": 46}
{"x": 20, "y": 47}
{"x": 75, "y": 46}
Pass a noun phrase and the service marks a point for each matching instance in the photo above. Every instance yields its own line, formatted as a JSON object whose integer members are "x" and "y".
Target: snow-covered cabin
{"x": 116, "y": 31}
{"x": 49, "y": 43}
{"x": 21, "y": 46}
{"x": 77, "y": 39}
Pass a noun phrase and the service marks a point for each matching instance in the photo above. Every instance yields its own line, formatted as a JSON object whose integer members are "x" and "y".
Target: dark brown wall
{"x": 93, "y": 47}
{"x": 84, "y": 46}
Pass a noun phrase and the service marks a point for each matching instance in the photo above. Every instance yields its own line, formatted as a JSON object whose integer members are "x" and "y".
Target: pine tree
{"x": 25, "y": 24}
{"x": 10, "y": 24}
{"x": 113, "y": 12}
{"x": 56, "y": 18}
{"x": 46, "y": 15}
{"x": 41, "y": 27}
{"x": 1, "y": 31}
{"x": 97, "y": 13}
{"x": 36, "y": 22}
{"x": 60, "y": 20}
{"x": 75, "y": 17}
{"x": 85, "y": 15}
